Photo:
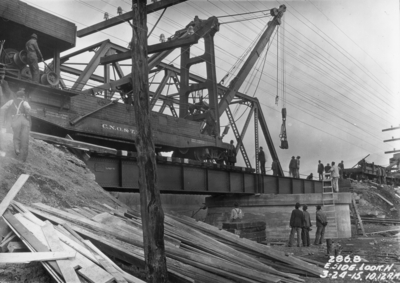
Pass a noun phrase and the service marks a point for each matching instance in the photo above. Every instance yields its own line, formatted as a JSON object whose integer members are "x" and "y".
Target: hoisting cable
{"x": 254, "y": 12}
{"x": 283, "y": 134}
{"x": 242, "y": 20}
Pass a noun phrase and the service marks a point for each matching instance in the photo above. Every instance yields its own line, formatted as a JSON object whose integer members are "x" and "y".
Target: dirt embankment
{"x": 57, "y": 178}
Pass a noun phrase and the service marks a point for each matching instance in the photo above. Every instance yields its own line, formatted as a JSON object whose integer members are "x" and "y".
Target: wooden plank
{"x": 126, "y": 17}
{"x": 55, "y": 245}
{"x": 155, "y": 48}
{"x": 73, "y": 143}
{"x": 388, "y": 202}
{"x": 386, "y": 231}
{"x": 29, "y": 238}
{"x": 93, "y": 277}
{"x": 127, "y": 276}
{"x": 7, "y": 236}
{"x": 4, "y": 229}
{"x": 12, "y": 193}
{"x": 359, "y": 220}
{"x": 29, "y": 257}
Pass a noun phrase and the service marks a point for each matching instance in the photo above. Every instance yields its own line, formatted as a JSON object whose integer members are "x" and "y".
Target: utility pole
{"x": 150, "y": 204}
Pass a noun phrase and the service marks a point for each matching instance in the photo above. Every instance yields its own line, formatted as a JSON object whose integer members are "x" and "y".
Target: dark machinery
{"x": 104, "y": 114}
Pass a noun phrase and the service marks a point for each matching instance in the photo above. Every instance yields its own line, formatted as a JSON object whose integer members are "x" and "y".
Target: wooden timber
{"x": 28, "y": 257}
{"x": 12, "y": 193}
{"x": 156, "y": 6}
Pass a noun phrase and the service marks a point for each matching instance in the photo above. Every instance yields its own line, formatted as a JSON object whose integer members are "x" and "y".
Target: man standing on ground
{"x": 335, "y": 177}
{"x": 305, "y": 230}
{"x": 292, "y": 167}
{"x": 274, "y": 167}
{"x": 341, "y": 168}
{"x": 320, "y": 170}
{"x": 298, "y": 167}
{"x": 236, "y": 213}
{"x": 296, "y": 222}
{"x": 262, "y": 160}
{"x": 34, "y": 56}
{"x": 321, "y": 224}
{"x": 20, "y": 123}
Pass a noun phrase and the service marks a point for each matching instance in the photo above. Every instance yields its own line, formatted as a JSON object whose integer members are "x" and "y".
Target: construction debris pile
{"x": 196, "y": 252}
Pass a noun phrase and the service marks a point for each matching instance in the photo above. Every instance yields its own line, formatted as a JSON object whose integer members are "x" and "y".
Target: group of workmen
{"x": 14, "y": 107}
{"x": 300, "y": 224}
{"x": 294, "y": 167}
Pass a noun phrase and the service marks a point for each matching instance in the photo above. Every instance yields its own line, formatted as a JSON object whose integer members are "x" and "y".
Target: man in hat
{"x": 34, "y": 56}
{"x": 231, "y": 154}
{"x": 296, "y": 222}
{"x": 335, "y": 177}
{"x": 305, "y": 230}
{"x": 18, "y": 109}
{"x": 5, "y": 92}
{"x": 341, "y": 168}
{"x": 275, "y": 167}
{"x": 292, "y": 167}
{"x": 321, "y": 224}
{"x": 320, "y": 170}
{"x": 298, "y": 167}
{"x": 262, "y": 160}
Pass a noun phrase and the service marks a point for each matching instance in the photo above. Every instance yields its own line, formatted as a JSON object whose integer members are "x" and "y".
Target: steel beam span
{"x": 175, "y": 175}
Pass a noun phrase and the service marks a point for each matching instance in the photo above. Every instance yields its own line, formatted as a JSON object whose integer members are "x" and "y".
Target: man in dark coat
{"x": 327, "y": 169}
{"x": 292, "y": 167}
{"x": 34, "y": 56}
{"x": 296, "y": 222}
{"x": 321, "y": 224}
{"x": 297, "y": 167}
{"x": 274, "y": 167}
{"x": 262, "y": 160}
{"x": 320, "y": 170}
{"x": 305, "y": 230}
{"x": 310, "y": 177}
{"x": 231, "y": 154}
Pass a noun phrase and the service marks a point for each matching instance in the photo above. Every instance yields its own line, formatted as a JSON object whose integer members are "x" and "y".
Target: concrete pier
{"x": 275, "y": 210}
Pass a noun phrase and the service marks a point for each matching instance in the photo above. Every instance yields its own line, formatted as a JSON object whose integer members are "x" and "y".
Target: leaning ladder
{"x": 357, "y": 219}
{"x": 328, "y": 201}
{"x": 237, "y": 136}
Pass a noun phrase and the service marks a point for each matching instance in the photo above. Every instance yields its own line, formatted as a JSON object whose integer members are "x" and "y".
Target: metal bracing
{"x": 256, "y": 141}
{"x": 160, "y": 88}
{"x": 240, "y": 146}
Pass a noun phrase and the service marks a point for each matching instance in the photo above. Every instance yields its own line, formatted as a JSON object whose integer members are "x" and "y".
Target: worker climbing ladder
{"x": 328, "y": 203}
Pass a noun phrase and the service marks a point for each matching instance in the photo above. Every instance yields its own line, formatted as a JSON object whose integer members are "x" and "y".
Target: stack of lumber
{"x": 250, "y": 230}
{"x": 72, "y": 245}
{"x": 196, "y": 252}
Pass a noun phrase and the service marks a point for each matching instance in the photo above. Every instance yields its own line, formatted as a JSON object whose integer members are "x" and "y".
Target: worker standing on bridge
{"x": 384, "y": 176}
{"x": 320, "y": 170}
{"x": 231, "y": 154}
{"x": 341, "y": 168}
{"x": 262, "y": 160}
{"x": 275, "y": 167}
{"x": 236, "y": 213}
{"x": 327, "y": 169}
{"x": 292, "y": 167}
{"x": 379, "y": 175}
{"x": 34, "y": 56}
{"x": 335, "y": 177}
{"x": 18, "y": 109}
{"x": 296, "y": 223}
{"x": 298, "y": 167}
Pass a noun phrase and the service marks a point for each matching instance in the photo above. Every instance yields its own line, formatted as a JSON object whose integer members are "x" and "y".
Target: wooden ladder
{"x": 357, "y": 218}
{"x": 328, "y": 201}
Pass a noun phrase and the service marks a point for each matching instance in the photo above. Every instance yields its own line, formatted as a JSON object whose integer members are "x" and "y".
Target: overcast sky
{"x": 341, "y": 69}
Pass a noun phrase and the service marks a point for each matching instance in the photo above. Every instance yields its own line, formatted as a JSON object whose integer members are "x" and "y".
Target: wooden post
{"x": 150, "y": 203}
